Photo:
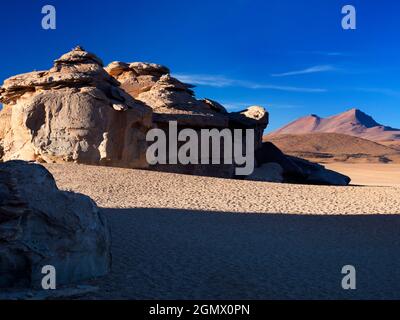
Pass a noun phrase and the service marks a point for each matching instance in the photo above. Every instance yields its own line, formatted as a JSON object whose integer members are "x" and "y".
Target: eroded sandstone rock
{"x": 41, "y": 225}
{"x": 74, "y": 112}
{"x": 78, "y": 111}
{"x": 172, "y": 100}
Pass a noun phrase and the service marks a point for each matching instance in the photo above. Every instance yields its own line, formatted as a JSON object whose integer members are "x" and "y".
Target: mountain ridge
{"x": 326, "y": 147}
{"x": 352, "y": 122}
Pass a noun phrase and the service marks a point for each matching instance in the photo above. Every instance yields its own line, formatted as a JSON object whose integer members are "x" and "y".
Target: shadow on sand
{"x": 183, "y": 254}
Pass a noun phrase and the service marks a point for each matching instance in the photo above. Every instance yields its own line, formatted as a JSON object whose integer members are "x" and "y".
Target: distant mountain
{"x": 353, "y": 122}
{"x": 333, "y": 147}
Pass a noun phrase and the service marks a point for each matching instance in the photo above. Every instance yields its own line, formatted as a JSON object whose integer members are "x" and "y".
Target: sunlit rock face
{"x": 73, "y": 112}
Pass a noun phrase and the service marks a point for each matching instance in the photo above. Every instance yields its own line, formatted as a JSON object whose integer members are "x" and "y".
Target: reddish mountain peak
{"x": 352, "y": 122}
{"x": 356, "y": 117}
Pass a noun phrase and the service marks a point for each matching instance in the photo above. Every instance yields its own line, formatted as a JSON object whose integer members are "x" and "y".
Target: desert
{"x": 305, "y": 232}
{"x": 242, "y": 239}
{"x": 373, "y": 174}
{"x": 74, "y": 173}
{"x": 111, "y": 188}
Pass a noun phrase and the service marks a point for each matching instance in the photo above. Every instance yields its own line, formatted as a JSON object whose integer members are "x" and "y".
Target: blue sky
{"x": 292, "y": 57}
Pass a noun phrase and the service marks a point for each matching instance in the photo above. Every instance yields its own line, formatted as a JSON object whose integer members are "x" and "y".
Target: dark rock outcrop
{"x": 318, "y": 174}
{"x": 297, "y": 170}
{"x": 269, "y": 153}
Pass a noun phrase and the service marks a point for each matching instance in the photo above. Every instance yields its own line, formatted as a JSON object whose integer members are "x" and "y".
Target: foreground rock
{"x": 40, "y": 225}
{"x": 73, "y": 112}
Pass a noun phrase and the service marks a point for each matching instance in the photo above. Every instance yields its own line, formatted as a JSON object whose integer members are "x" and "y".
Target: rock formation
{"x": 79, "y": 111}
{"x": 40, "y": 225}
{"x": 169, "y": 98}
{"x": 315, "y": 173}
{"x": 267, "y": 172}
{"x": 73, "y": 112}
{"x": 296, "y": 170}
{"x": 254, "y": 117}
{"x": 172, "y": 100}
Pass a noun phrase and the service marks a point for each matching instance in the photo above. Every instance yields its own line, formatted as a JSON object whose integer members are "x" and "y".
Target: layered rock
{"x": 172, "y": 100}
{"x": 41, "y": 225}
{"x": 73, "y": 112}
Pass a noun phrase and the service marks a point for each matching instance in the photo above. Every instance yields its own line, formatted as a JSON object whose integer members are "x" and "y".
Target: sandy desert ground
{"x": 369, "y": 174}
{"x": 128, "y": 188}
{"x": 187, "y": 237}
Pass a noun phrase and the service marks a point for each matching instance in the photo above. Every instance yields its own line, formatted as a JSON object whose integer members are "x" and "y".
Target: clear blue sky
{"x": 293, "y": 57}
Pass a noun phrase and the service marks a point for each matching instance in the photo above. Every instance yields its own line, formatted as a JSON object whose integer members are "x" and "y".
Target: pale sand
{"x": 128, "y": 188}
{"x": 170, "y": 243}
{"x": 372, "y": 174}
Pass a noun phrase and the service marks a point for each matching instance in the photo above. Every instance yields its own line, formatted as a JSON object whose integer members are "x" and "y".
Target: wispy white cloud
{"x": 334, "y": 54}
{"x": 222, "y": 81}
{"x": 314, "y": 69}
{"x": 206, "y": 80}
{"x": 241, "y": 105}
{"x": 285, "y": 106}
{"x": 326, "y": 53}
{"x": 384, "y": 91}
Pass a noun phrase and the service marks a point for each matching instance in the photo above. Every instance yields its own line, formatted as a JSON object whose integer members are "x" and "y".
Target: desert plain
{"x": 193, "y": 236}
{"x": 375, "y": 190}
{"x": 177, "y": 236}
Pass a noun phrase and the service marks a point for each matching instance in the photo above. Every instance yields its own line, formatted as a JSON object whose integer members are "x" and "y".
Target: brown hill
{"x": 352, "y": 122}
{"x": 391, "y": 144}
{"x": 330, "y": 147}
